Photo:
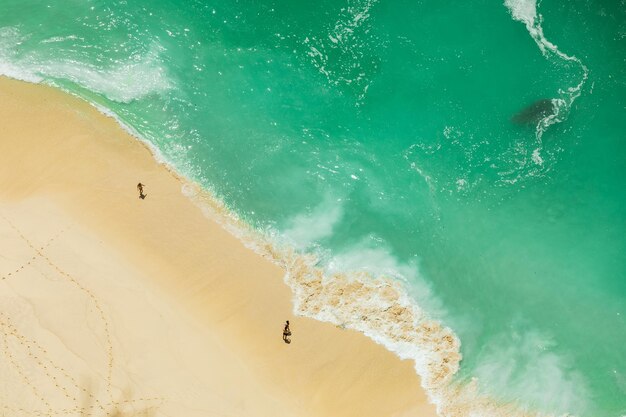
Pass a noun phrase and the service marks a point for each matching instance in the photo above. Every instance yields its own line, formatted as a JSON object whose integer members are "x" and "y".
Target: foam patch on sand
{"x": 373, "y": 301}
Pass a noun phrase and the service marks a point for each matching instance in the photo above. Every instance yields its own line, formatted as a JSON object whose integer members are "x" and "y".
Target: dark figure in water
{"x": 287, "y": 333}
{"x": 534, "y": 113}
{"x": 140, "y": 189}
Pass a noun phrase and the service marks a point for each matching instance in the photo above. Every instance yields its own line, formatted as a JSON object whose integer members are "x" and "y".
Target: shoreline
{"x": 61, "y": 156}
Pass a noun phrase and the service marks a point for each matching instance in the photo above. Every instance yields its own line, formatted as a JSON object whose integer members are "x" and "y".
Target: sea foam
{"x": 306, "y": 229}
{"x": 523, "y": 364}
{"x": 9, "y": 64}
{"x": 124, "y": 81}
{"x": 344, "y": 54}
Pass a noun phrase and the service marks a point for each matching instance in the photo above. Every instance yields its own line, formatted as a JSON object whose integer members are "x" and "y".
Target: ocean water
{"x": 472, "y": 153}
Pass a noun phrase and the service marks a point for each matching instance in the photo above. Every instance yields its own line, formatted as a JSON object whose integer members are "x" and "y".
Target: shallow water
{"x": 379, "y": 135}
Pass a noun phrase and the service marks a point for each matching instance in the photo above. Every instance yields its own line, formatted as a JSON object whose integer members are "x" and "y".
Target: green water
{"x": 354, "y": 128}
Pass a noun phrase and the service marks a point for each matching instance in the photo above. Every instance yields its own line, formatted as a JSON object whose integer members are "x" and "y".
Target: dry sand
{"x": 115, "y": 306}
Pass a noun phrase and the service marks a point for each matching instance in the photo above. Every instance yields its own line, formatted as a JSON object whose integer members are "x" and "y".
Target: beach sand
{"x": 112, "y": 304}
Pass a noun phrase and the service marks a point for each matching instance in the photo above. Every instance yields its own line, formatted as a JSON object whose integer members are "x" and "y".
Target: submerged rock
{"x": 535, "y": 112}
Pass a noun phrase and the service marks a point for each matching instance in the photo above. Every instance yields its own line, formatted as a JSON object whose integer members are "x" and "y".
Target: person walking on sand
{"x": 287, "y": 333}
{"x": 140, "y": 189}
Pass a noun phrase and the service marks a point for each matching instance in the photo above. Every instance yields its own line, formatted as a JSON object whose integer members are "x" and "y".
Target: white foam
{"x": 17, "y": 72}
{"x": 525, "y": 366}
{"x": 340, "y": 54}
{"x": 126, "y": 82}
{"x": 374, "y": 260}
{"x": 307, "y": 228}
{"x": 130, "y": 80}
{"x": 536, "y": 157}
{"x": 135, "y": 78}
{"x": 9, "y": 39}
{"x": 523, "y": 10}
{"x": 55, "y": 39}
{"x": 371, "y": 259}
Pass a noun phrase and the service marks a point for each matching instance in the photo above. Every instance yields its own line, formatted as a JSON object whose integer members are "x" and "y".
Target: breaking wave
{"x": 307, "y": 228}
{"x": 522, "y": 364}
{"x": 140, "y": 76}
{"x": 9, "y": 64}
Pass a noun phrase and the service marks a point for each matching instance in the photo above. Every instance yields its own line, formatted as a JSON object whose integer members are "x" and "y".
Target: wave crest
{"x": 140, "y": 76}
{"x": 379, "y": 308}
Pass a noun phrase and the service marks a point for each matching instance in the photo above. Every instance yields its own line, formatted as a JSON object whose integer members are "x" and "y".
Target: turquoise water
{"x": 378, "y": 135}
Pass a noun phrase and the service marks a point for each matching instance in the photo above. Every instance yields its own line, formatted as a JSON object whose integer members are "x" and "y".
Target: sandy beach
{"x": 116, "y": 306}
